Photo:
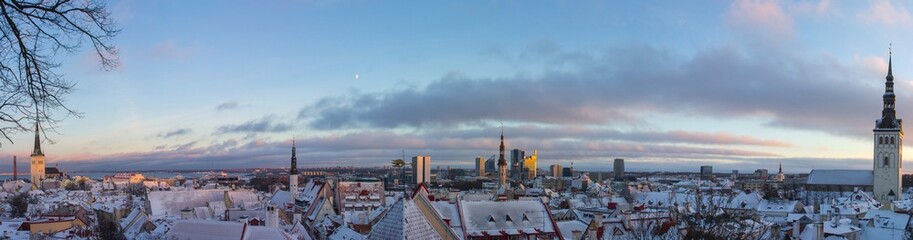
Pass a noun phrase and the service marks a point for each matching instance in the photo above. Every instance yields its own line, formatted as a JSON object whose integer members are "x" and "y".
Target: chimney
{"x": 797, "y": 229}
{"x": 775, "y": 231}
{"x": 819, "y": 231}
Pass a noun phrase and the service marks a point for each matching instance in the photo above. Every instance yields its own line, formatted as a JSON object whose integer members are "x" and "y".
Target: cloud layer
{"x": 628, "y": 85}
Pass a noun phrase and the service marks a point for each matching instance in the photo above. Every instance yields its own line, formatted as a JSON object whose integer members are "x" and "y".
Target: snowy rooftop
{"x": 840, "y": 177}
{"x": 203, "y": 229}
{"x": 492, "y": 217}
{"x": 165, "y": 203}
{"x": 781, "y": 206}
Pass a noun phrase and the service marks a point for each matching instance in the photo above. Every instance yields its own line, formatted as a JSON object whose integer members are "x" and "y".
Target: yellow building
{"x": 55, "y": 224}
{"x": 529, "y": 165}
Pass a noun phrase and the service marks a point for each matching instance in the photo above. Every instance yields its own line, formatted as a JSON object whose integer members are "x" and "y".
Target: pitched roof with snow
{"x": 170, "y": 203}
{"x": 840, "y": 177}
{"x": 410, "y": 218}
{"x": 261, "y": 232}
{"x": 491, "y": 218}
{"x": 205, "y": 229}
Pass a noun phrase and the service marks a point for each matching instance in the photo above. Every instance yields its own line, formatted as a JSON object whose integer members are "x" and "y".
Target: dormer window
{"x": 507, "y": 218}
{"x": 491, "y": 218}
{"x": 525, "y": 218}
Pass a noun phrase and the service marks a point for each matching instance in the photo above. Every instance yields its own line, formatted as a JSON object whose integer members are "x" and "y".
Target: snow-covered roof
{"x": 243, "y": 198}
{"x": 779, "y": 206}
{"x": 403, "y": 220}
{"x": 567, "y": 227}
{"x": 280, "y": 198}
{"x": 840, "y": 177}
{"x": 745, "y": 201}
{"x": 170, "y": 203}
{"x": 887, "y": 219}
{"x": 206, "y": 229}
{"x": 261, "y": 232}
{"x": 511, "y": 216}
{"x": 345, "y": 233}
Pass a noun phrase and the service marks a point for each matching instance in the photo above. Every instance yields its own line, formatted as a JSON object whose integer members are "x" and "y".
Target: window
{"x": 886, "y": 161}
{"x": 880, "y": 140}
{"x": 892, "y": 140}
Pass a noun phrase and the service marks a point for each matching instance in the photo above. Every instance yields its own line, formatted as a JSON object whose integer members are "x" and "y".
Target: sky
{"x": 666, "y": 85}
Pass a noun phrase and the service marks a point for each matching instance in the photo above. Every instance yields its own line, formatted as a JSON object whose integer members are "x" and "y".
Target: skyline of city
{"x": 741, "y": 85}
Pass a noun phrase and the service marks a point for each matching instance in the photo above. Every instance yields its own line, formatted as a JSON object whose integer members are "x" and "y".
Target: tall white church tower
{"x": 37, "y": 167}
{"x": 888, "y": 147}
{"x": 293, "y": 176}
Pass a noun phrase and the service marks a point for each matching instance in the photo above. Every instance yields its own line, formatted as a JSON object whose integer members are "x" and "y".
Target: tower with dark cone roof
{"x": 888, "y": 154}
{"x": 38, "y": 161}
{"x": 502, "y": 163}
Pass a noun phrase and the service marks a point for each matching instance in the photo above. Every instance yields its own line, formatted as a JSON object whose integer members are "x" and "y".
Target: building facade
{"x": 421, "y": 169}
{"x": 888, "y": 145}
{"x": 480, "y": 166}
{"x": 38, "y": 163}
{"x": 619, "y": 169}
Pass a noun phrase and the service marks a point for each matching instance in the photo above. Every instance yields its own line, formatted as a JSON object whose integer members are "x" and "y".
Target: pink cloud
{"x": 766, "y": 16}
{"x": 885, "y": 12}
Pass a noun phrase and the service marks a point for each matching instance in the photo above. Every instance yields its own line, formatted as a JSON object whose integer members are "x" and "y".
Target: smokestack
{"x": 15, "y": 171}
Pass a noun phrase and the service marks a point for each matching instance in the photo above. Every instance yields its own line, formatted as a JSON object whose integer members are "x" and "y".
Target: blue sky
{"x": 668, "y": 85}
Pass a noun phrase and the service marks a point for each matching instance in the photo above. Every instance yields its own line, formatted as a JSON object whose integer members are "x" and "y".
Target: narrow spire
{"x": 890, "y": 76}
{"x": 888, "y": 114}
{"x": 37, "y": 150}
{"x": 501, "y": 160}
{"x": 781, "y": 166}
{"x": 294, "y": 168}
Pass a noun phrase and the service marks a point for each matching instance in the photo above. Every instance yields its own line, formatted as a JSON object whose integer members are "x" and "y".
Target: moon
{"x": 356, "y": 76}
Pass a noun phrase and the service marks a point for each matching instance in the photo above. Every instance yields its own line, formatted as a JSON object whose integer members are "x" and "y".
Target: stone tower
{"x": 37, "y": 166}
{"x": 888, "y": 141}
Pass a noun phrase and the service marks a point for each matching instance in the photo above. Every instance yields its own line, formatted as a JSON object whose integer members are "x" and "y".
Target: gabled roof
{"x": 411, "y": 218}
{"x": 507, "y": 216}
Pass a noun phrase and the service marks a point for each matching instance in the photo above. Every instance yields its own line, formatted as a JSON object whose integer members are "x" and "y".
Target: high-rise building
{"x": 516, "y": 163}
{"x": 529, "y": 166}
{"x": 567, "y": 172}
{"x": 735, "y": 175}
{"x": 480, "y": 166}
{"x": 37, "y": 167}
{"x": 557, "y": 170}
{"x": 293, "y": 176}
{"x": 888, "y": 140}
{"x": 706, "y": 172}
{"x": 491, "y": 165}
{"x": 761, "y": 173}
{"x": 619, "y": 169}
{"x": 421, "y": 169}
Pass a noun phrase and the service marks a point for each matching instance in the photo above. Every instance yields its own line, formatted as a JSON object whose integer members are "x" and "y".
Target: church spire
{"x": 888, "y": 114}
{"x": 781, "y": 167}
{"x": 294, "y": 169}
{"x": 37, "y": 150}
{"x": 501, "y": 160}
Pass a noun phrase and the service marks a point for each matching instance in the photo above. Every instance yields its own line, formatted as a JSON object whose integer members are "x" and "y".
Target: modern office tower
{"x": 619, "y": 169}
{"x": 421, "y": 169}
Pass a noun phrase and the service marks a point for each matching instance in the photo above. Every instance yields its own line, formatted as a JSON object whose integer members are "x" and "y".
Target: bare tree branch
{"x": 32, "y": 35}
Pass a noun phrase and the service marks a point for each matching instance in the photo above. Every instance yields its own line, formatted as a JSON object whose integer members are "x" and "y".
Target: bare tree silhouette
{"x": 32, "y": 34}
